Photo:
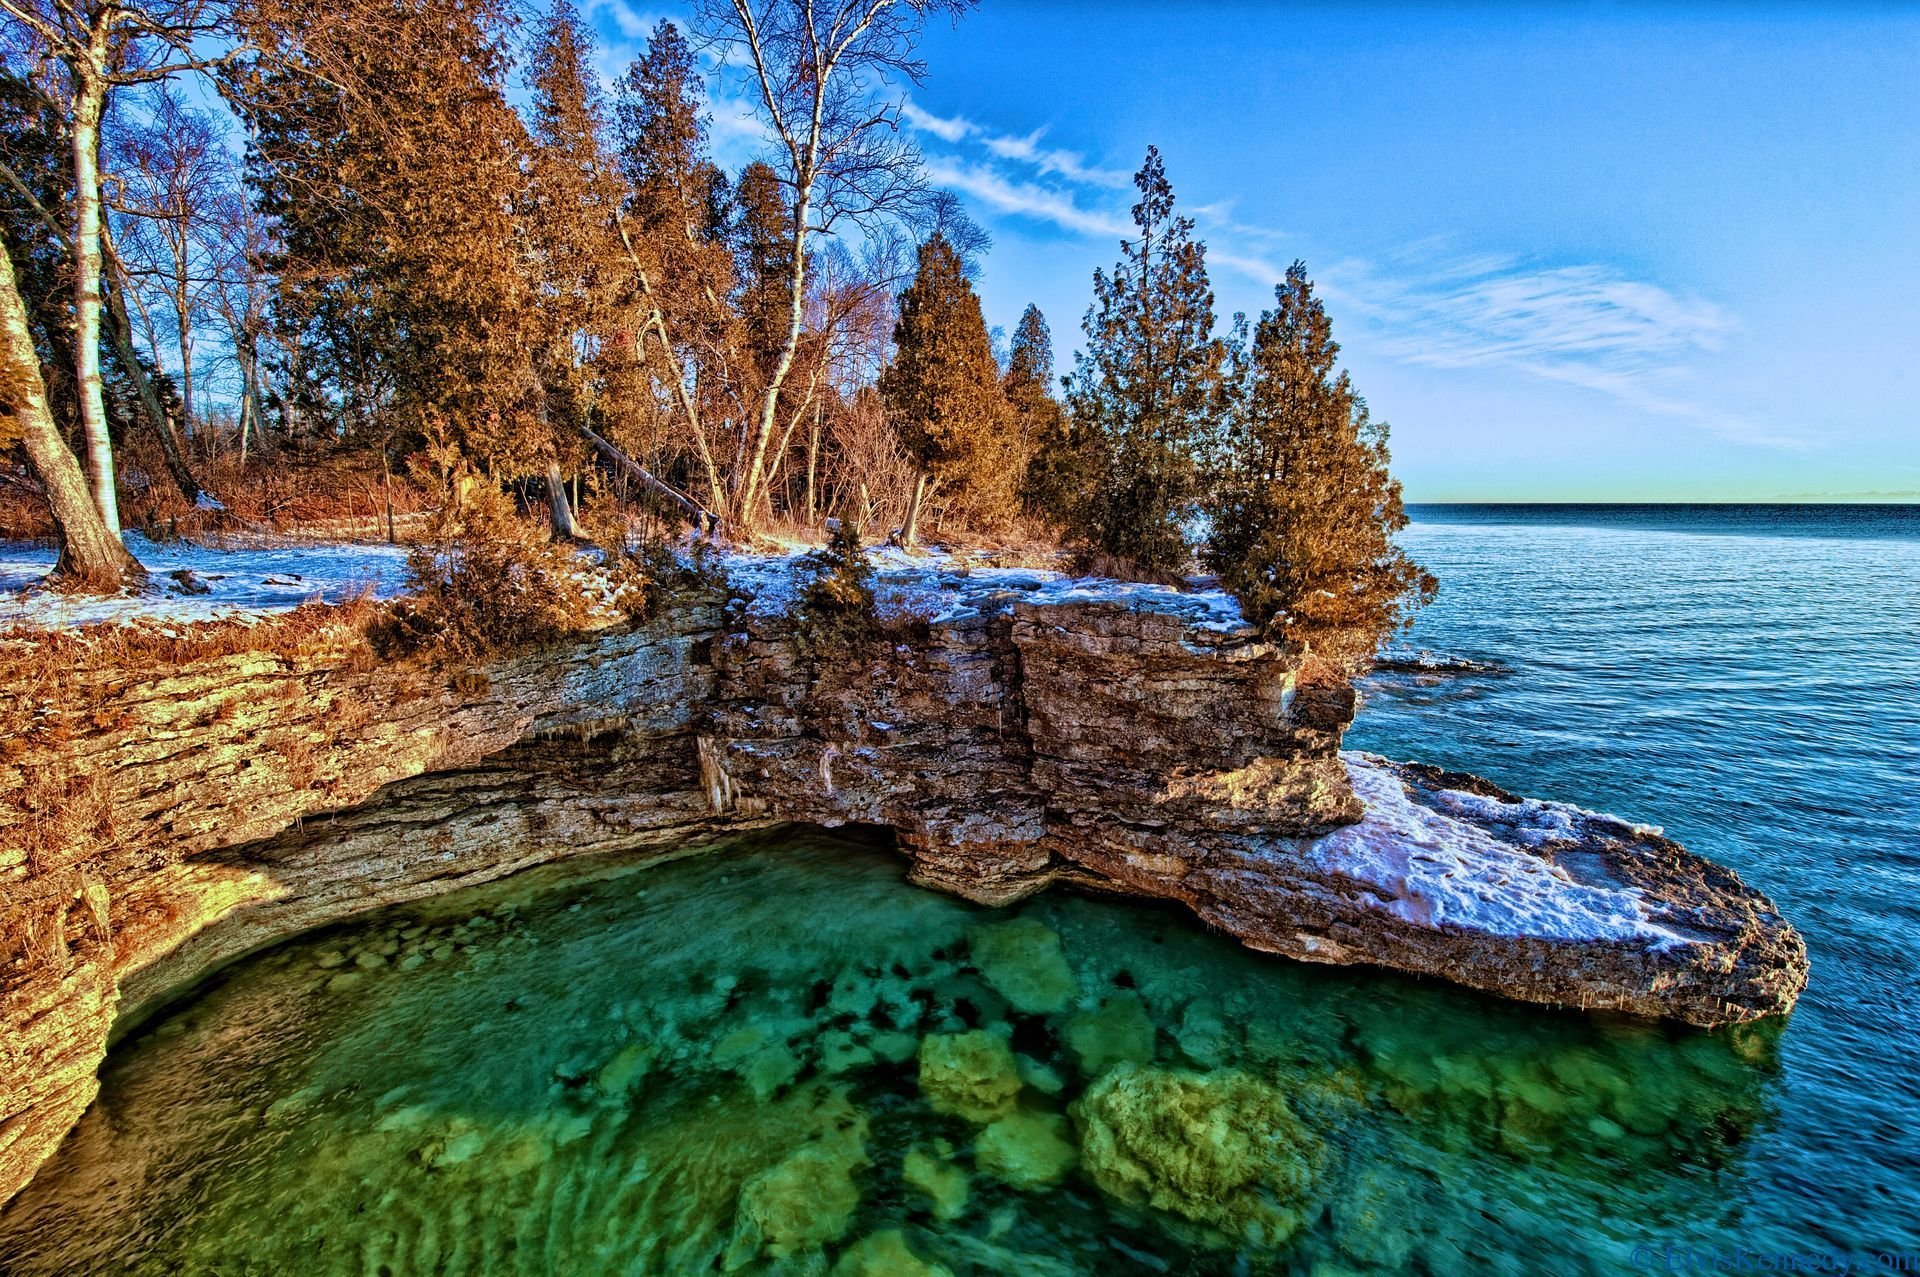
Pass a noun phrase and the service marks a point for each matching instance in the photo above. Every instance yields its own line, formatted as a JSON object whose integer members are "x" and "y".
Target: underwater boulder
{"x": 1022, "y": 961}
{"x": 1118, "y": 1030}
{"x": 944, "y": 1184}
{"x": 802, "y": 1203}
{"x": 1026, "y": 1150}
{"x": 885, "y": 1254}
{"x": 1222, "y": 1150}
{"x": 970, "y": 1075}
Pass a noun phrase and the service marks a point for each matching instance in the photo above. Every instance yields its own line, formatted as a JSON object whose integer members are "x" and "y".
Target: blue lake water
{"x": 1747, "y": 677}
{"x": 781, "y": 1057}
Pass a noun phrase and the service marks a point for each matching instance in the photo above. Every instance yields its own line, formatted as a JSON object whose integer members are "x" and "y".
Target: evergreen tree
{"x": 1302, "y": 507}
{"x": 1050, "y": 486}
{"x": 676, "y": 212}
{"x": 1147, "y": 384}
{"x": 572, "y": 197}
{"x": 389, "y": 165}
{"x": 763, "y": 264}
{"x": 942, "y": 392}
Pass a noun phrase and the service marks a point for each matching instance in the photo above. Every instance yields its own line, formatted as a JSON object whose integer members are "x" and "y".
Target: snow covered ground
{"x": 1442, "y": 868}
{"x": 239, "y": 582}
{"x": 947, "y": 587}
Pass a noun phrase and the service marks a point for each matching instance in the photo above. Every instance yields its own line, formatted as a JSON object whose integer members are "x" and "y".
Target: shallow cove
{"x": 781, "y": 1056}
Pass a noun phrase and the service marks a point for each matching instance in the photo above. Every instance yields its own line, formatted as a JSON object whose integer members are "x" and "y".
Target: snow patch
{"x": 239, "y": 582}
{"x": 946, "y": 588}
{"x": 1442, "y": 868}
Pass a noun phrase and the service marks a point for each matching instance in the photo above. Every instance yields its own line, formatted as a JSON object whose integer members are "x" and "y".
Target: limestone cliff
{"x": 1014, "y": 735}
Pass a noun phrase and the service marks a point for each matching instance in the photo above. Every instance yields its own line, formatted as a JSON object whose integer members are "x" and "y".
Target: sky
{"x": 1572, "y": 252}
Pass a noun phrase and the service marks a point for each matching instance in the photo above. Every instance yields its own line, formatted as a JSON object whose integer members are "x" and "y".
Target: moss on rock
{"x": 1222, "y": 1150}
{"x": 1026, "y": 1150}
{"x": 970, "y": 1075}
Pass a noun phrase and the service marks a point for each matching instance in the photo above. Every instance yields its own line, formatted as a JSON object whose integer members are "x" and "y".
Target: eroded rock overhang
{"x": 1017, "y": 730}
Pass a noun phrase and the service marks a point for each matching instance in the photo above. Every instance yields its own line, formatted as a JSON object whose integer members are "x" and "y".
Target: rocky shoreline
{"x": 1015, "y": 731}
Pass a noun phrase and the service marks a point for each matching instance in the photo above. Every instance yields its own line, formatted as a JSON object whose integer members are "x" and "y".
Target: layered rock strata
{"x": 1015, "y": 732}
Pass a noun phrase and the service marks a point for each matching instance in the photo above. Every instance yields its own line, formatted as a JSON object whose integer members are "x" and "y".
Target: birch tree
{"x": 102, "y": 46}
{"x": 92, "y": 556}
{"x": 820, "y": 73}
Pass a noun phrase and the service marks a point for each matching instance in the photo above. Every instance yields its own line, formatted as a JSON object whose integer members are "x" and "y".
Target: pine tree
{"x": 1302, "y": 507}
{"x": 763, "y": 264}
{"x": 1146, "y": 386}
{"x": 1050, "y": 486}
{"x": 389, "y": 164}
{"x": 942, "y": 392}
{"x": 676, "y": 214}
{"x": 572, "y": 196}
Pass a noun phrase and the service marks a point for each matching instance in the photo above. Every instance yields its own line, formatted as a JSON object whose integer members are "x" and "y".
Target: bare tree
{"x": 101, "y": 46}
{"x": 821, "y": 73}
{"x": 170, "y": 172}
{"x": 92, "y": 555}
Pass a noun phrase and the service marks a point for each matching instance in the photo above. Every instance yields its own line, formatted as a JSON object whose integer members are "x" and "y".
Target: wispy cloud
{"x": 950, "y": 130}
{"x": 1428, "y": 304}
{"x": 1025, "y": 199}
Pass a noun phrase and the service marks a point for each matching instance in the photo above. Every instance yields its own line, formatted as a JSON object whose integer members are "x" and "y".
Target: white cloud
{"x": 1024, "y": 199}
{"x": 1051, "y": 161}
{"x": 947, "y": 130}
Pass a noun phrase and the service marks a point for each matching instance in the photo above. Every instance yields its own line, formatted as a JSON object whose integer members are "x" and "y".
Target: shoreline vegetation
{"x": 519, "y": 330}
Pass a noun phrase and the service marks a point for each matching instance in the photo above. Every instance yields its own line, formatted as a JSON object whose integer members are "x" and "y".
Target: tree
{"x": 390, "y": 168}
{"x": 1145, "y": 388}
{"x": 942, "y": 392}
{"x": 102, "y": 46}
{"x": 762, "y": 246}
{"x": 677, "y": 213}
{"x": 573, "y": 198}
{"x": 1302, "y": 507}
{"x": 91, "y": 556}
{"x": 817, "y": 69}
{"x": 1050, "y": 486}
{"x": 171, "y": 171}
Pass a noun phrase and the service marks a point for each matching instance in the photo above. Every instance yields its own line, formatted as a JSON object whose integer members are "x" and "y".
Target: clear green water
{"x": 781, "y": 1057}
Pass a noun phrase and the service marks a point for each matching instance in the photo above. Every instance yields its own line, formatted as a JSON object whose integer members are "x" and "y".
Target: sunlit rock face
{"x": 1015, "y": 731}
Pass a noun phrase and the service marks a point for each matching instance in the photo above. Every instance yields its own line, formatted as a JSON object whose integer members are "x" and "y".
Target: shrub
{"x": 483, "y": 579}
{"x": 836, "y": 606}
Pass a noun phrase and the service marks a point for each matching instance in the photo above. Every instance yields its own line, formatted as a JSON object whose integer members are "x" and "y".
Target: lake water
{"x": 781, "y": 1057}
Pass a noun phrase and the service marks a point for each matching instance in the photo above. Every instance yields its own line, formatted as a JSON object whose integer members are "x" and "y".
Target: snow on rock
{"x": 1440, "y": 866}
{"x": 946, "y": 588}
{"x": 189, "y": 582}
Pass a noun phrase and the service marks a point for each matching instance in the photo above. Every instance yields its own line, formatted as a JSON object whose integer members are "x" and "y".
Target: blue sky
{"x": 1572, "y": 252}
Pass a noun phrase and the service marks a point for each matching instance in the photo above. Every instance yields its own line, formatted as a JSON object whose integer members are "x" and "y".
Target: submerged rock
{"x": 1023, "y": 962}
{"x": 1118, "y": 1030}
{"x": 1222, "y": 1150}
{"x": 971, "y": 1075}
{"x": 885, "y": 1254}
{"x": 1026, "y": 1150}
{"x": 944, "y": 1184}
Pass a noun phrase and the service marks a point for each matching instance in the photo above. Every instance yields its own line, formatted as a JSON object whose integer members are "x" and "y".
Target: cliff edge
{"x": 1016, "y": 730}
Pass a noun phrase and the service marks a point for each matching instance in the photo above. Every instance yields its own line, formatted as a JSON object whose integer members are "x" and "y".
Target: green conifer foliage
{"x": 942, "y": 391}
{"x": 1146, "y": 387}
{"x": 1056, "y": 469}
{"x": 1302, "y": 507}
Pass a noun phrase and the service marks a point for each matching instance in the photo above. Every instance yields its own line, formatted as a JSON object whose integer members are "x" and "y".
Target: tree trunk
{"x": 755, "y": 480}
{"x": 564, "y": 526}
{"x": 92, "y": 556}
{"x": 120, "y": 329}
{"x": 813, "y": 467}
{"x": 910, "y": 531}
{"x": 89, "y": 100}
